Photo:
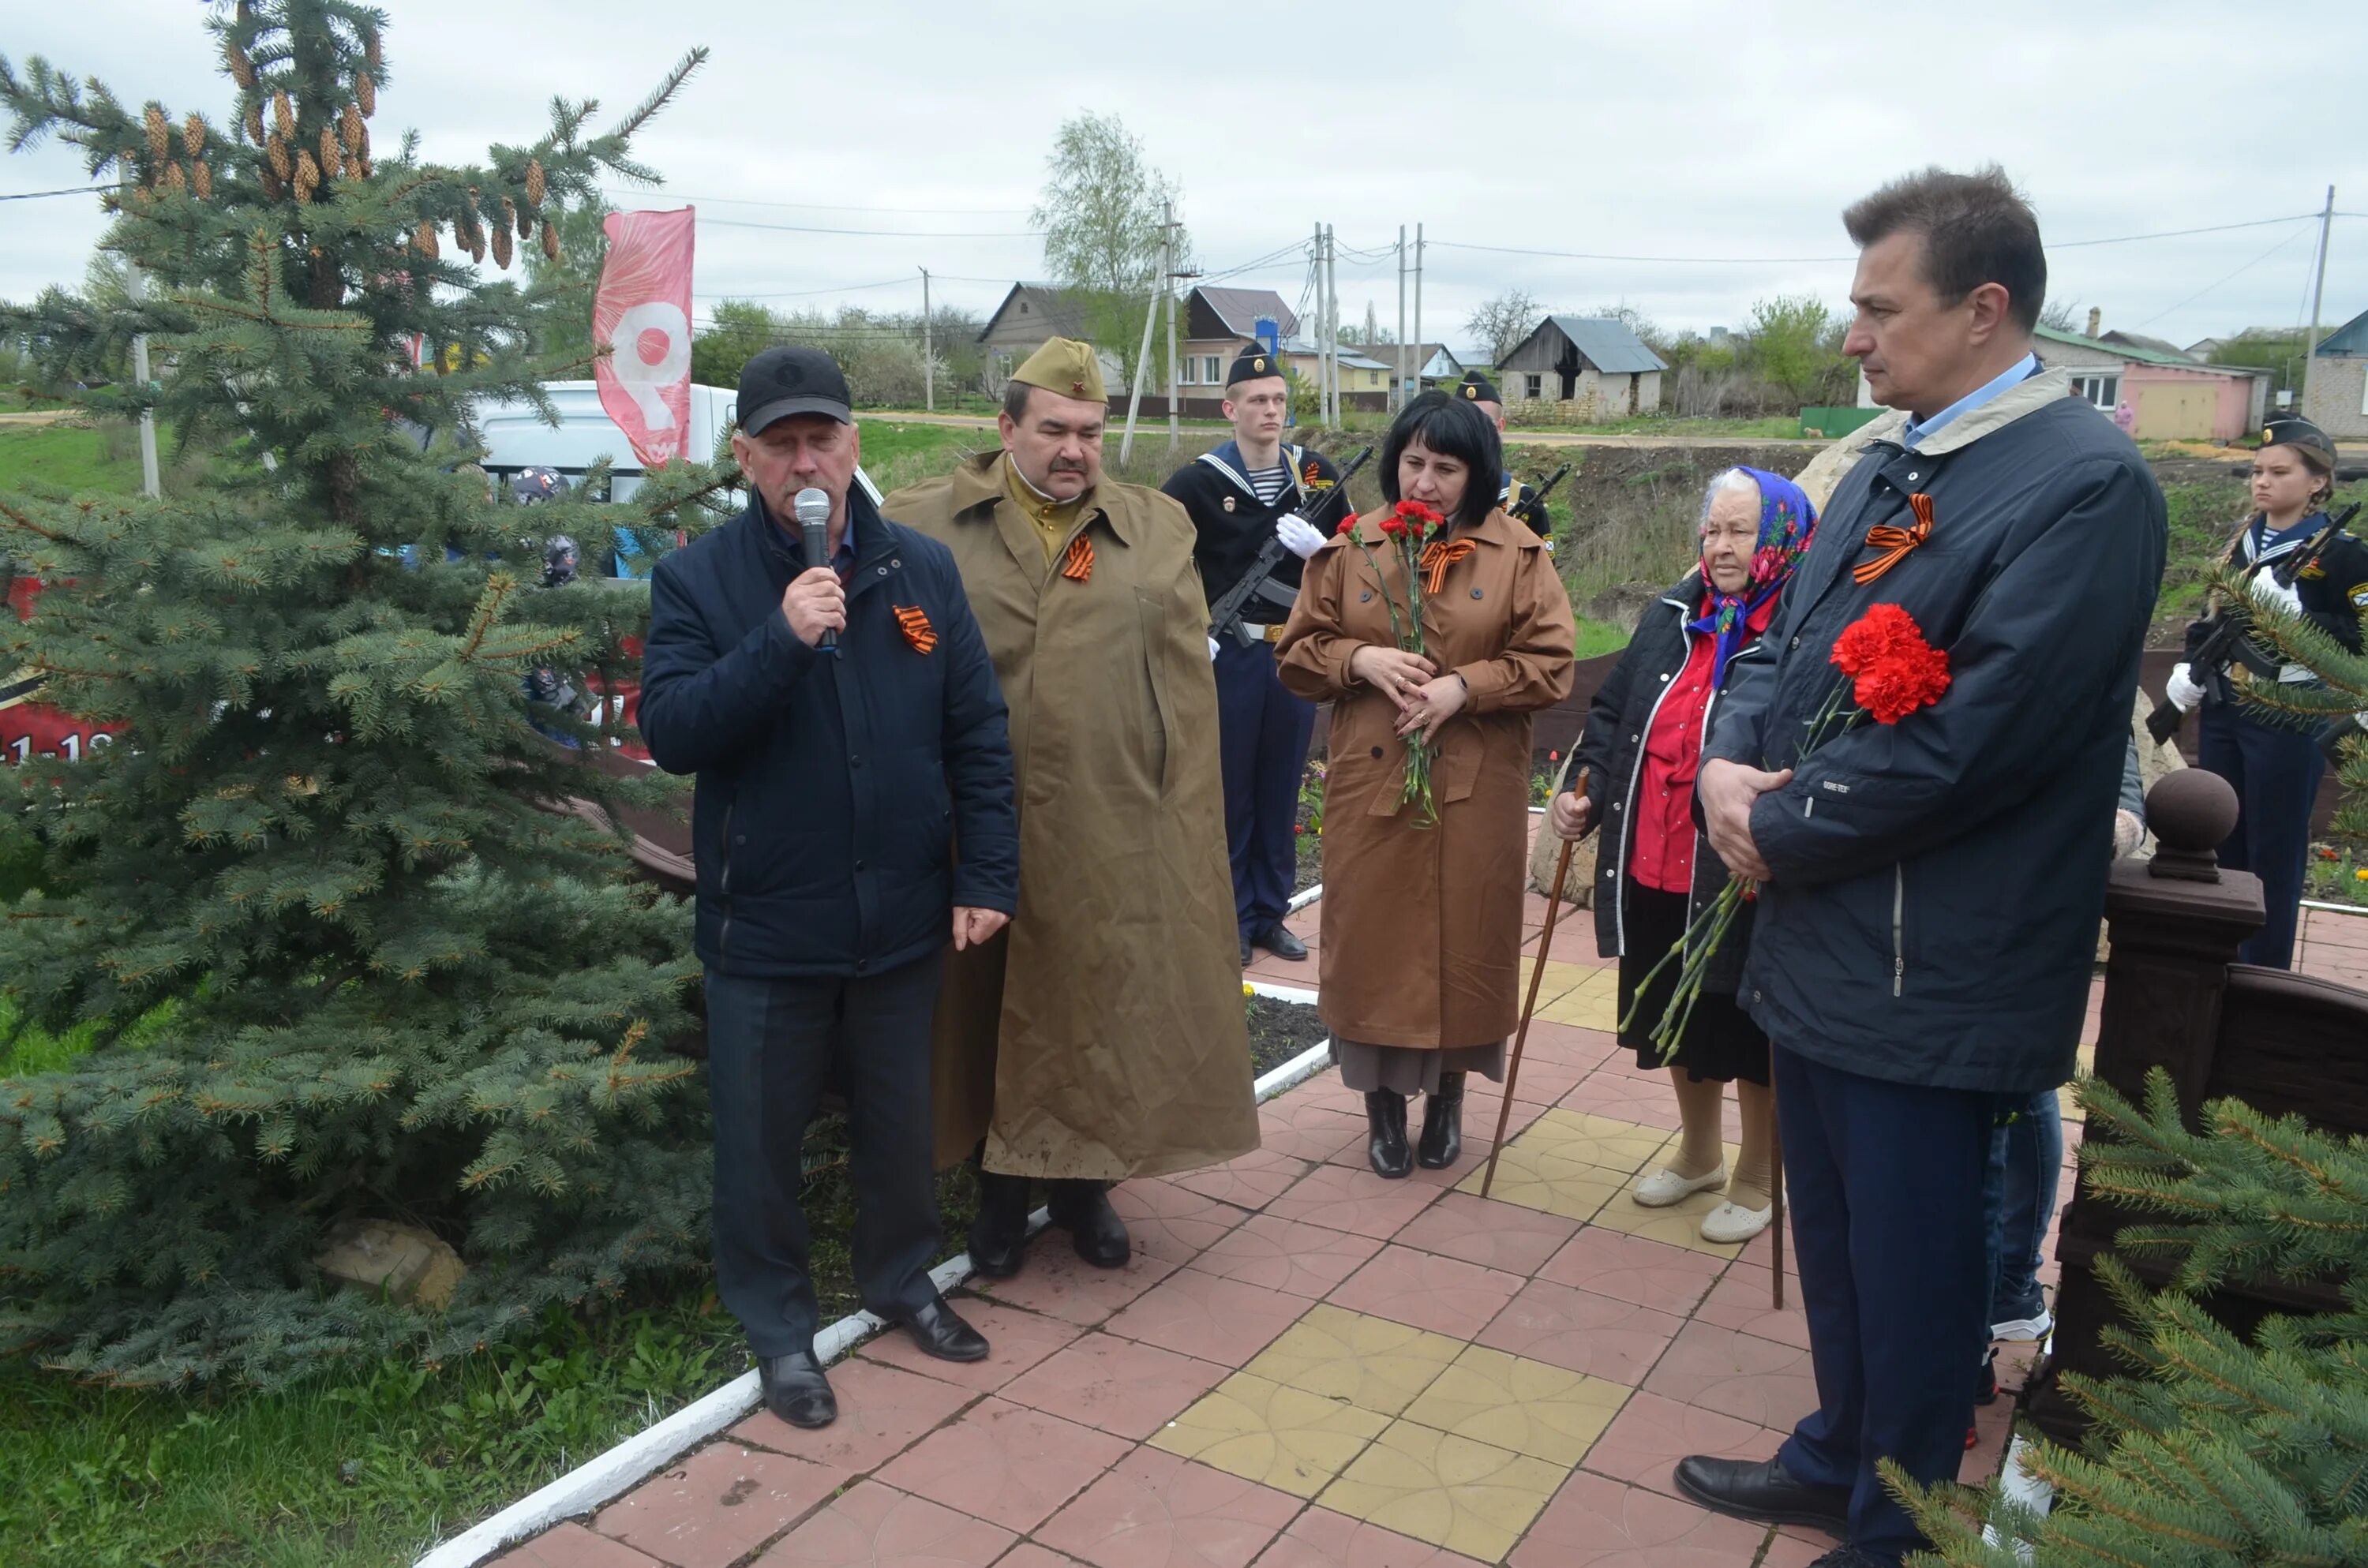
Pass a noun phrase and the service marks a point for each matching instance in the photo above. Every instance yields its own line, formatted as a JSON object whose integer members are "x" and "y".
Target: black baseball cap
{"x": 783, "y": 381}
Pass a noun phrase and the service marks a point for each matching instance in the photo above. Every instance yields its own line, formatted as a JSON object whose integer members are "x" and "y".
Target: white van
{"x": 516, "y": 438}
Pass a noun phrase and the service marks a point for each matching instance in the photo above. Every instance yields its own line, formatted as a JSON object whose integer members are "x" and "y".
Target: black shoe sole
{"x": 789, "y": 1420}
{"x": 942, "y": 1354}
{"x": 991, "y": 1267}
{"x": 1835, "y": 1525}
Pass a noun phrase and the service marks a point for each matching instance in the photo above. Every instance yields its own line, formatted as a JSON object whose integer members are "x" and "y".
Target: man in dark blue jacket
{"x": 1932, "y": 888}
{"x": 834, "y": 787}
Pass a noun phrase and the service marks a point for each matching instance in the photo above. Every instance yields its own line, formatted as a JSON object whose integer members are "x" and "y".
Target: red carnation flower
{"x": 1894, "y": 671}
{"x": 1348, "y": 524}
{"x": 1416, "y": 512}
{"x": 1882, "y": 632}
{"x": 1395, "y": 525}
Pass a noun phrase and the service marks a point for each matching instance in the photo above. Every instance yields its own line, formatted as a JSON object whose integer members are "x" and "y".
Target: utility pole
{"x": 1398, "y": 387}
{"x": 135, "y": 288}
{"x": 2317, "y": 289}
{"x": 928, "y": 351}
{"x": 1417, "y": 283}
{"x": 1142, "y": 358}
{"x": 1174, "y": 370}
{"x": 1332, "y": 321}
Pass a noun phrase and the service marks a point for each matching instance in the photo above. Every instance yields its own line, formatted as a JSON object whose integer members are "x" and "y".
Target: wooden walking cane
{"x": 1537, "y": 974}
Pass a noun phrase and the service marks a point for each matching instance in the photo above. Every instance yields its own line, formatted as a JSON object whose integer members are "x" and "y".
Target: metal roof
{"x": 1240, "y": 308}
{"x": 2351, "y": 338}
{"x": 1608, "y": 345}
{"x": 2174, "y": 360}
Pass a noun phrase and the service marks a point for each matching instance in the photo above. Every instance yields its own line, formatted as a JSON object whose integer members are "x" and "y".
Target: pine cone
{"x": 254, "y": 123}
{"x": 202, "y": 178}
{"x": 371, "y": 50}
{"x": 366, "y": 93}
{"x": 333, "y": 157}
{"x": 534, "y": 183}
{"x": 193, "y": 135}
{"x": 550, "y": 241}
{"x": 173, "y": 179}
{"x": 308, "y": 176}
{"x": 242, "y": 69}
{"x": 361, "y": 149}
{"x": 502, "y": 248}
{"x": 514, "y": 219}
{"x": 283, "y": 115}
{"x": 426, "y": 240}
{"x": 349, "y": 127}
{"x": 272, "y": 186}
{"x": 477, "y": 249}
{"x": 275, "y": 152}
{"x": 461, "y": 234}
{"x": 160, "y": 136}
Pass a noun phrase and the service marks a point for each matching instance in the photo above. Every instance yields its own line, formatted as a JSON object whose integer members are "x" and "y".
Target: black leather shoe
{"x": 1277, "y": 940}
{"x": 796, "y": 1390}
{"x": 999, "y": 1235}
{"x": 940, "y": 1331}
{"x": 1986, "y": 1385}
{"x": 1443, "y": 1124}
{"x": 1761, "y": 1490}
{"x": 1082, "y": 1208}
{"x": 1386, "y": 1115}
{"x": 1851, "y": 1557}
{"x": 1246, "y": 952}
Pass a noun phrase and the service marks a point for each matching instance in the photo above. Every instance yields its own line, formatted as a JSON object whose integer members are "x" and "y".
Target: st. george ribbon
{"x": 812, "y": 507}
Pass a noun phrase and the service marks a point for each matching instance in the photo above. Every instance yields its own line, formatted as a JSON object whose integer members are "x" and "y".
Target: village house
{"x": 2337, "y": 400}
{"x": 1586, "y": 369}
{"x": 1031, "y": 313}
{"x": 2173, "y": 398}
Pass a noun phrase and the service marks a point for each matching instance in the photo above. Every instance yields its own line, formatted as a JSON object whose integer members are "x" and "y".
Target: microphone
{"x": 813, "y": 509}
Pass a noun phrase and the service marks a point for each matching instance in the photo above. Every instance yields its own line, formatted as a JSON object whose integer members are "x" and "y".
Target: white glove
{"x": 2128, "y": 834}
{"x": 2181, "y": 689}
{"x": 2267, "y": 590}
{"x": 1299, "y": 536}
{"x": 1212, "y": 650}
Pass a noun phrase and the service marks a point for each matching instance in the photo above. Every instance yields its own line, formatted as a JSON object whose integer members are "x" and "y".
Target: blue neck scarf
{"x": 1787, "y": 522}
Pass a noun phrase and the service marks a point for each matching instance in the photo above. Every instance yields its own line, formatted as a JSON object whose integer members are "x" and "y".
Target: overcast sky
{"x": 1676, "y": 130}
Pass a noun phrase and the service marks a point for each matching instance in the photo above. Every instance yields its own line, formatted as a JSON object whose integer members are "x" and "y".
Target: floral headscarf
{"x": 1787, "y": 522}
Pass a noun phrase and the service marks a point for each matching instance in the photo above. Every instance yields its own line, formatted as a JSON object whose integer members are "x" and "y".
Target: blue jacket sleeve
{"x": 977, "y": 750}
{"x": 702, "y": 704}
{"x": 2051, "y": 635}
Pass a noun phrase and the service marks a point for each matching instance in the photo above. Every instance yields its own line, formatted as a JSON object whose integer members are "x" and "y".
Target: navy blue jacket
{"x": 1937, "y": 884}
{"x": 831, "y": 790}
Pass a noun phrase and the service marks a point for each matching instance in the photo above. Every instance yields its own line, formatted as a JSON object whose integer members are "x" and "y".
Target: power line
{"x": 2209, "y": 287}
{"x": 818, "y": 206}
{"x": 1802, "y": 260}
{"x": 879, "y": 233}
{"x": 67, "y": 190}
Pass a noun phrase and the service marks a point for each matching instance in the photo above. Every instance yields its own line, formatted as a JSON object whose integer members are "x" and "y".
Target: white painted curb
{"x": 646, "y": 1452}
{"x": 1300, "y": 901}
{"x": 2306, "y": 903}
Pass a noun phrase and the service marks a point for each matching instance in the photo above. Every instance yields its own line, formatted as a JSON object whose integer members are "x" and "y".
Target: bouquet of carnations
{"x": 1417, "y": 534}
{"x": 1889, "y": 672}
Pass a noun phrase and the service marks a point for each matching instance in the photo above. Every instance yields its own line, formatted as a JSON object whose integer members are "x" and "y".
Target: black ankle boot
{"x": 999, "y": 1235}
{"x": 1443, "y": 1124}
{"x": 1385, "y": 1114}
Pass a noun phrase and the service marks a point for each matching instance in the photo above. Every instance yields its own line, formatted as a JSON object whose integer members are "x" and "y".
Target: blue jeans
{"x": 2026, "y": 1158}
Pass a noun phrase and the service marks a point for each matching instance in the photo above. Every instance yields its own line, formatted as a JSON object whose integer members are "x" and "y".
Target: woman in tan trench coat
{"x": 1422, "y": 927}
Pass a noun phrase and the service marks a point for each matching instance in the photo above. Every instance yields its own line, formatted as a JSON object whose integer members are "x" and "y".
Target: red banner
{"x": 641, "y": 314}
{"x": 29, "y": 729}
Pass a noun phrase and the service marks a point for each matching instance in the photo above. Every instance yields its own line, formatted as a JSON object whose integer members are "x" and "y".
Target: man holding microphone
{"x": 1253, "y": 487}
{"x": 848, "y": 732}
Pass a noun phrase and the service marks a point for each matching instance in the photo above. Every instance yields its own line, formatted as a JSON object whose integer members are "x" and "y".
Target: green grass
{"x": 1773, "y": 427}
{"x": 358, "y": 1472}
{"x": 1600, "y": 637}
{"x": 2338, "y": 873}
{"x": 72, "y": 457}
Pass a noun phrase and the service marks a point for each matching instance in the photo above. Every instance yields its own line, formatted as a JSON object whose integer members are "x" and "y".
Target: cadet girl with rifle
{"x": 2291, "y": 554}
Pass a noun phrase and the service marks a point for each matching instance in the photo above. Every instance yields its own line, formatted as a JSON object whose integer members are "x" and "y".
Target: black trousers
{"x": 1262, "y": 735}
{"x": 772, "y": 1046}
{"x": 1886, "y": 1183}
{"x": 2275, "y": 772}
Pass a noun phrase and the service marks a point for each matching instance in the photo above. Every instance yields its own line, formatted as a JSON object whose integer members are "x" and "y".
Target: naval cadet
{"x": 1516, "y": 500}
{"x": 2287, "y": 556}
{"x": 1256, "y": 487}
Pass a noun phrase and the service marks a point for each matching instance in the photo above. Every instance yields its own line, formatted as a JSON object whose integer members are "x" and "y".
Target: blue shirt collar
{"x": 2022, "y": 369}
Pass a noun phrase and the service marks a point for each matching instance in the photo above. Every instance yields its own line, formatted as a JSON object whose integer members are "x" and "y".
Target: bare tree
{"x": 2061, "y": 315}
{"x": 1500, "y": 324}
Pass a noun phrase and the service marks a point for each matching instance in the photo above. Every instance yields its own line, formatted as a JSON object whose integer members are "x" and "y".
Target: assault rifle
{"x": 2226, "y": 641}
{"x": 1225, "y": 614}
{"x": 1547, "y": 488}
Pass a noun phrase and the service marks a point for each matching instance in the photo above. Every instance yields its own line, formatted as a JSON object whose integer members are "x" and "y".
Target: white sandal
{"x": 1666, "y": 1187}
{"x": 1731, "y": 1222}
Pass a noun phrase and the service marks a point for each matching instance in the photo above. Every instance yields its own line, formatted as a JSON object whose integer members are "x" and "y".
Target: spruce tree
{"x": 373, "y": 976}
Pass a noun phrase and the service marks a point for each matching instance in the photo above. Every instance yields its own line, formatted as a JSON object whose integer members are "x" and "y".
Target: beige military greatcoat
{"x": 1101, "y": 1034}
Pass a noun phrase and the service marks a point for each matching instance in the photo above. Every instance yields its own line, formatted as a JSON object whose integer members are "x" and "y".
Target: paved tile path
{"x": 1305, "y": 1365}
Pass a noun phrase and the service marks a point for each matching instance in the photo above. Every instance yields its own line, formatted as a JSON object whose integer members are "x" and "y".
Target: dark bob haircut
{"x": 1448, "y": 427}
{"x": 1977, "y": 229}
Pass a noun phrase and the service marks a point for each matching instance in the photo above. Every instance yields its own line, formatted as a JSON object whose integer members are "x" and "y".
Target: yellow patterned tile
{"x": 1467, "y": 1497}
{"x": 1528, "y": 1406}
{"x": 1561, "y": 979}
{"x": 1604, "y": 1141}
{"x": 1679, "y": 1225}
{"x": 1369, "y": 1362}
{"x": 1278, "y": 1436}
{"x": 1544, "y": 1176}
{"x": 1581, "y": 1009}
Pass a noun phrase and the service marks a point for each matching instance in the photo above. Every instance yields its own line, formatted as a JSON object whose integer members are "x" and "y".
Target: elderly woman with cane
{"x": 1641, "y": 750}
{"x": 1435, "y": 628}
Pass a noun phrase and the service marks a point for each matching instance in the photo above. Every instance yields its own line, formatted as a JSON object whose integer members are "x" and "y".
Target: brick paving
{"x": 1305, "y": 1365}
